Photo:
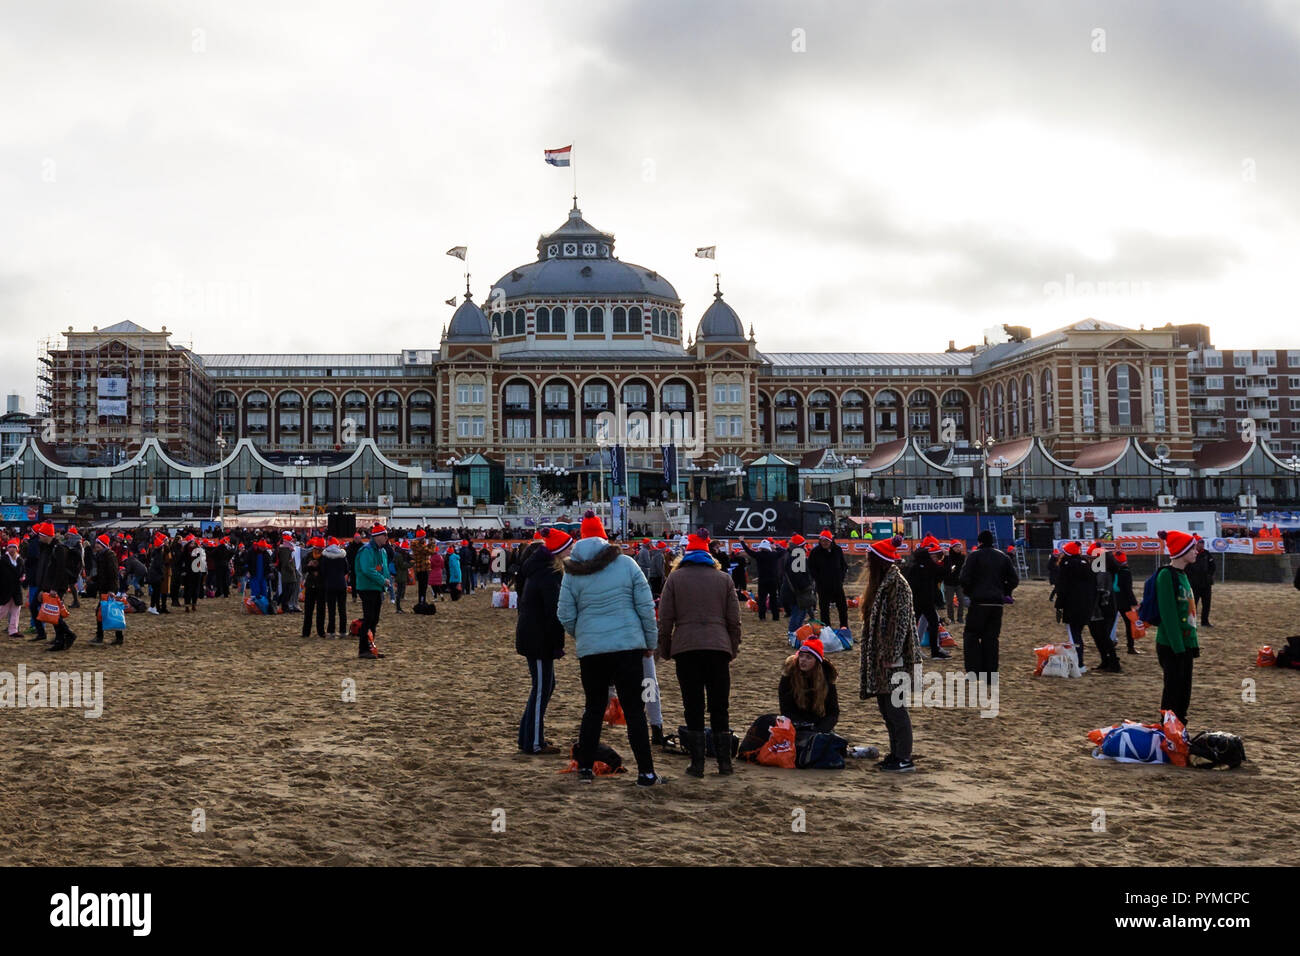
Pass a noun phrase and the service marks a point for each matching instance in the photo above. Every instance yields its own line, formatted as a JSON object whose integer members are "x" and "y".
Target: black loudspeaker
{"x": 1040, "y": 536}
{"x": 342, "y": 526}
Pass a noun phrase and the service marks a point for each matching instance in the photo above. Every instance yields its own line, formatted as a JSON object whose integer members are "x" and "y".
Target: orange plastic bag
{"x": 946, "y": 639}
{"x": 808, "y": 631}
{"x": 752, "y": 604}
{"x": 1175, "y": 745}
{"x": 779, "y": 749}
{"x": 853, "y": 602}
{"x": 1266, "y": 657}
{"x": 1043, "y": 654}
{"x": 599, "y": 768}
{"x": 51, "y": 610}
{"x": 614, "y": 712}
{"x": 1138, "y": 625}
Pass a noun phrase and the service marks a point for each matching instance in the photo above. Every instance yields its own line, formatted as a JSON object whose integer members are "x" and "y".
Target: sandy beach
{"x": 240, "y": 718}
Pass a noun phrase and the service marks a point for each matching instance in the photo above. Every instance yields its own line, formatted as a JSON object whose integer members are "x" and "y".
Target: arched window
{"x": 1049, "y": 409}
{"x": 999, "y": 411}
{"x": 620, "y": 319}
{"x": 986, "y": 414}
{"x": 558, "y": 320}
{"x": 634, "y": 323}
{"x": 1013, "y": 407}
{"x": 543, "y": 320}
{"x": 580, "y": 319}
{"x": 1125, "y": 387}
{"x": 1028, "y": 399}
{"x": 597, "y": 319}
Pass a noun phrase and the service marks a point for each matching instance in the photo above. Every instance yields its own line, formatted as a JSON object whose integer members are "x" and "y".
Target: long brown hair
{"x": 877, "y": 568}
{"x": 810, "y": 691}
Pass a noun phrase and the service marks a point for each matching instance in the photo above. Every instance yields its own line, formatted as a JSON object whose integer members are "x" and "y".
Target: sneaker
{"x": 649, "y": 780}
{"x": 369, "y": 656}
{"x": 889, "y": 763}
{"x": 1082, "y": 669}
{"x": 586, "y": 776}
{"x": 898, "y": 766}
{"x": 1134, "y": 650}
{"x": 547, "y": 749}
{"x": 153, "y": 610}
{"x": 940, "y": 655}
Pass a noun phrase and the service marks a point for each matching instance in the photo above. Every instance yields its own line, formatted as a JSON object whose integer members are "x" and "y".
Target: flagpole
{"x": 573, "y": 162}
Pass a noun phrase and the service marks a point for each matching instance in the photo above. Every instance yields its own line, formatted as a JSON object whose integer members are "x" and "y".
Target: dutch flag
{"x": 559, "y": 157}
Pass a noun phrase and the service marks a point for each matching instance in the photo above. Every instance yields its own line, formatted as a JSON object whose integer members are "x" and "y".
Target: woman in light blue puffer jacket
{"x": 606, "y": 604}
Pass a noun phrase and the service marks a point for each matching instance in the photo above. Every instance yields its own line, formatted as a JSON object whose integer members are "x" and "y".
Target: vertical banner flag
{"x": 670, "y": 465}
{"x": 559, "y": 157}
{"x": 617, "y": 467}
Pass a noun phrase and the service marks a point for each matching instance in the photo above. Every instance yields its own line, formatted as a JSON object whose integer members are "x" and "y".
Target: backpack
{"x": 820, "y": 751}
{"x": 1149, "y": 608}
{"x": 424, "y": 608}
{"x": 1210, "y": 749}
{"x": 137, "y": 606}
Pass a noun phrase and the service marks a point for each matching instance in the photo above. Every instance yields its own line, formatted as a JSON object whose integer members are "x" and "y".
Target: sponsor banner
{"x": 947, "y": 506}
{"x": 250, "y": 502}
{"x": 1156, "y": 546}
{"x": 16, "y": 514}
{"x": 112, "y": 406}
{"x": 1088, "y": 513}
{"x": 112, "y": 387}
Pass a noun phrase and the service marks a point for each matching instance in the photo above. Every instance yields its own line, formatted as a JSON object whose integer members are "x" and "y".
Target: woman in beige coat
{"x": 699, "y": 630}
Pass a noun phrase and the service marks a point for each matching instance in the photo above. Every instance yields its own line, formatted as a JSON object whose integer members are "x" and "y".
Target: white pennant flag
{"x": 458, "y": 252}
{"x": 706, "y": 252}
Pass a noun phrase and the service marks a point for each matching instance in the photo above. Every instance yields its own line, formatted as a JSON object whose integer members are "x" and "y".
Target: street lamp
{"x": 221, "y": 477}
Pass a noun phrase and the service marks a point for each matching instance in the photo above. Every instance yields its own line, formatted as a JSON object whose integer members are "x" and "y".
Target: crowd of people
{"x": 628, "y": 607}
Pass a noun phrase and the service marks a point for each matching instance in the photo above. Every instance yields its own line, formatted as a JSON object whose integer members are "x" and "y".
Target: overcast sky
{"x": 276, "y": 176}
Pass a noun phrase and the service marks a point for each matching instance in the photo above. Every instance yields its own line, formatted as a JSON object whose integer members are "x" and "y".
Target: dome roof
{"x": 720, "y": 323}
{"x": 469, "y": 324}
{"x": 578, "y": 259}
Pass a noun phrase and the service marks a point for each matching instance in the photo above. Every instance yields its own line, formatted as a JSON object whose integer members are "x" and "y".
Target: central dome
{"x": 578, "y": 259}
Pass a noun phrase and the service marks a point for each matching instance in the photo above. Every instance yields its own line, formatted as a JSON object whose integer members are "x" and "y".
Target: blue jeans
{"x": 797, "y": 616}
{"x": 532, "y": 733}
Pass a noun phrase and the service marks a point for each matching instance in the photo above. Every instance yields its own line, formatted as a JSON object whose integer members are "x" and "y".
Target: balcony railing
{"x": 850, "y": 427}
{"x": 556, "y": 407}
{"x": 595, "y": 406}
{"x": 519, "y": 406}
{"x": 676, "y": 406}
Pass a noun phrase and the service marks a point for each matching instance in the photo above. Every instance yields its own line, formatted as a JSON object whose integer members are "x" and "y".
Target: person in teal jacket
{"x": 453, "y": 573}
{"x": 606, "y": 604}
{"x": 1176, "y": 643}
{"x": 373, "y": 569}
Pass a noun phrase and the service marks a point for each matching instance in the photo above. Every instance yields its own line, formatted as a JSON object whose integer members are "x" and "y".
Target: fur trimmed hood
{"x": 602, "y": 559}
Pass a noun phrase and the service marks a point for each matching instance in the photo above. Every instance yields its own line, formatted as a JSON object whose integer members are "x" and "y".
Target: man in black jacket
{"x": 106, "y": 582}
{"x": 828, "y": 568}
{"x": 925, "y": 575}
{"x": 768, "y": 561}
{"x": 51, "y": 574}
{"x": 539, "y": 635}
{"x": 1200, "y": 575}
{"x": 988, "y": 577}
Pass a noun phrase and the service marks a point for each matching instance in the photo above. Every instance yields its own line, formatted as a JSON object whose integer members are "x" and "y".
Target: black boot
{"x": 120, "y": 639}
{"x": 656, "y": 735}
{"x": 722, "y": 750}
{"x": 695, "y": 746}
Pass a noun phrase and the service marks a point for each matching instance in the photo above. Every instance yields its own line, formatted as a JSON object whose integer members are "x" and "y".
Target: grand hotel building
{"x": 520, "y": 380}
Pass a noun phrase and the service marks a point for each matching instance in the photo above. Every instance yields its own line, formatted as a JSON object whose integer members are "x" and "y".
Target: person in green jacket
{"x": 373, "y": 569}
{"x": 1176, "y": 644}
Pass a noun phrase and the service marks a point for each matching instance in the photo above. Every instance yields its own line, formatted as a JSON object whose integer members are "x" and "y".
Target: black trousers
{"x": 834, "y": 594}
{"x": 532, "y": 729}
{"x": 313, "y": 600}
{"x": 1101, "y": 631}
{"x": 701, "y": 674}
{"x": 192, "y": 582}
{"x": 337, "y": 601}
{"x": 623, "y": 670}
{"x": 158, "y": 598}
{"x": 931, "y": 628}
{"x": 1203, "y": 596}
{"x": 1076, "y": 635}
{"x": 899, "y": 725}
{"x": 656, "y": 587}
{"x": 99, "y": 630}
{"x": 371, "y": 603}
{"x": 421, "y": 585}
{"x": 769, "y": 597}
{"x": 1128, "y": 629}
{"x": 980, "y": 639}
{"x": 399, "y": 589}
{"x": 1176, "y": 695}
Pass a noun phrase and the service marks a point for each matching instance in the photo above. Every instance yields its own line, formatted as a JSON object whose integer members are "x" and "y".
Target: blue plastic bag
{"x": 113, "y": 615}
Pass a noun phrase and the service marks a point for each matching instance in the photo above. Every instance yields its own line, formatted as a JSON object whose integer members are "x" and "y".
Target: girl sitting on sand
{"x": 807, "y": 689}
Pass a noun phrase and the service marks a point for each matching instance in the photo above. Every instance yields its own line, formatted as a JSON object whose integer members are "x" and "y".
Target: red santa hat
{"x": 420, "y": 533}
{"x": 884, "y": 550}
{"x": 797, "y": 540}
{"x": 591, "y": 526}
{"x": 104, "y": 540}
{"x": 930, "y": 543}
{"x": 1072, "y": 548}
{"x": 697, "y": 542}
{"x": 1178, "y": 542}
{"x": 377, "y": 530}
{"x": 555, "y": 541}
{"x": 826, "y": 533}
{"x": 814, "y": 647}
